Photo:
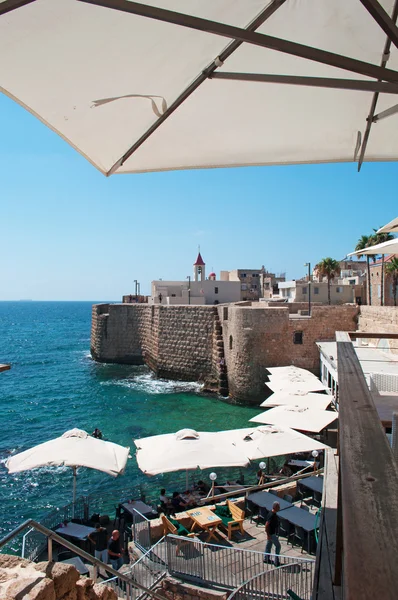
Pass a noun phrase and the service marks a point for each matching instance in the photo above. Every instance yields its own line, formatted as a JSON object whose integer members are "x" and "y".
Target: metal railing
{"x": 225, "y": 566}
{"x": 141, "y": 530}
{"x": 275, "y": 583}
{"x": 34, "y": 542}
{"x": 148, "y": 571}
{"x": 51, "y": 536}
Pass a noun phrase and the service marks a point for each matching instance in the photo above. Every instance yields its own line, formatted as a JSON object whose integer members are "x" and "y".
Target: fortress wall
{"x": 187, "y": 342}
{"x": 257, "y": 339}
{"x": 380, "y": 319}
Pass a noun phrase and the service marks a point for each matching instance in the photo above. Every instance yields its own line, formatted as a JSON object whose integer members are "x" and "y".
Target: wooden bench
{"x": 181, "y": 531}
{"x": 232, "y": 521}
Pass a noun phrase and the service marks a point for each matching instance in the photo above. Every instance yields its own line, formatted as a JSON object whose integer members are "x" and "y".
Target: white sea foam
{"x": 149, "y": 384}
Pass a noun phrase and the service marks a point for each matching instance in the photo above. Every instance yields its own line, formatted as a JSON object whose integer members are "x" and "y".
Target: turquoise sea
{"x": 54, "y": 385}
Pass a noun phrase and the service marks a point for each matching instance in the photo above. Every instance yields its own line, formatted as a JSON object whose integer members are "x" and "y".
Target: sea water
{"x": 54, "y": 385}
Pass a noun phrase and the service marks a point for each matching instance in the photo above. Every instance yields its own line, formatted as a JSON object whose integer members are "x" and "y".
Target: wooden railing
{"x": 358, "y": 547}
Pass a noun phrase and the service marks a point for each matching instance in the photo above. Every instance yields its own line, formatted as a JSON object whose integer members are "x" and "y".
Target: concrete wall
{"x": 380, "y": 319}
{"x": 319, "y": 292}
{"x": 202, "y": 292}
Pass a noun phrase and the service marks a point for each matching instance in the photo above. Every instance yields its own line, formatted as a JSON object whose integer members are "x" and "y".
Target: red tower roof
{"x": 199, "y": 261}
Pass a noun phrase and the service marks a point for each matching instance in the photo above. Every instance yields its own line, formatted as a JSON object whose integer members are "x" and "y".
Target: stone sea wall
{"x": 227, "y": 347}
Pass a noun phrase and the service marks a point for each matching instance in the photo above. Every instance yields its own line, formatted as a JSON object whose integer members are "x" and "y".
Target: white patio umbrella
{"x": 75, "y": 448}
{"x": 187, "y": 449}
{"x": 170, "y": 90}
{"x": 301, "y": 418}
{"x": 390, "y": 247}
{"x": 270, "y": 440}
{"x": 391, "y": 227}
{"x": 296, "y": 387}
{"x": 286, "y": 371}
{"x": 310, "y": 400}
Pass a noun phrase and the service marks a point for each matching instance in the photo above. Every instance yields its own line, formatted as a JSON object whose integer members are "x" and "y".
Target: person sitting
{"x": 164, "y": 500}
{"x": 202, "y": 487}
{"x": 178, "y": 503}
{"x": 286, "y": 470}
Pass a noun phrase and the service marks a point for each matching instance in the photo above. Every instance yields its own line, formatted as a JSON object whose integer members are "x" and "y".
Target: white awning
{"x": 391, "y": 227}
{"x": 390, "y": 247}
{"x": 317, "y": 401}
{"x": 138, "y": 88}
{"x": 303, "y": 419}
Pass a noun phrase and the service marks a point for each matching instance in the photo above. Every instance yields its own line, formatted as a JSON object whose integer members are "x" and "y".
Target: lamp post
{"x": 213, "y": 477}
{"x": 189, "y": 289}
{"x": 136, "y": 282}
{"x": 315, "y": 455}
{"x": 309, "y": 287}
{"x": 262, "y": 466}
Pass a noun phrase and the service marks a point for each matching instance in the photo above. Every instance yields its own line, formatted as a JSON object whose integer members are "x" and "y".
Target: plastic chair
{"x": 299, "y": 535}
{"x": 305, "y": 507}
{"x": 285, "y": 528}
{"x": 288, "y": 498}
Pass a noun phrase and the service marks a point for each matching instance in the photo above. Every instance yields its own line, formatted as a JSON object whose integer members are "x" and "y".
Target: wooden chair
{"x": 232, "y": 517}
{"x": 181, "y": 531}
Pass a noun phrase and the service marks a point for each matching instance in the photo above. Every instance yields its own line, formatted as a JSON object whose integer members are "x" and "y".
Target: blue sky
{"x": 69, "y": 233}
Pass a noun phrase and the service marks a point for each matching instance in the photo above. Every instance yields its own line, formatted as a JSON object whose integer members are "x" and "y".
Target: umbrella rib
{"x": 226, "y": 53}
{"x": 383, "y": 19}
{"x": 8, "y": 5}
{"x": 370, "y": 117}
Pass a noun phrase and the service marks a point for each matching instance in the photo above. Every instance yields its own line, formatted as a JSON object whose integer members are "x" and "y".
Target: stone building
{"x": 255, "y": 283}
{"x": 381, "y": 283}
{"x": 297, "y": 291}
{"x": 196, "y": 290}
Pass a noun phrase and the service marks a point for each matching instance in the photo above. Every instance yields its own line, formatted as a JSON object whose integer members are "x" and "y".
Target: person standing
{"x": 99, "y": 538}
{"x": 271, "y": 529}
{"x": 115, "y": 550}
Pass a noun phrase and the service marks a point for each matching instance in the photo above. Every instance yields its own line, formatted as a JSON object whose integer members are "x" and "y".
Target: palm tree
{"x": 364, "y": 242}
{"x": 329, "y": 268}
{"x": 392, "y": 269}
{"x": 379, "y": 239}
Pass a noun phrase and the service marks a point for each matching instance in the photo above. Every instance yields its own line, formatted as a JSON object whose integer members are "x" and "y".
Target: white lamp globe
{"x": 213, "y": 476}
{"x": 262, "y": 465}
{"x": 315, "y": 453}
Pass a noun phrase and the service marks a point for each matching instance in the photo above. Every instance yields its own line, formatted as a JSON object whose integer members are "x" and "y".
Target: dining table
{"x": 205, "y": 519}
{"x": 75, "y": 530}
{"x": 77, "y": 562}
{"x": 139, "y": 506}
{"x": 301, "y": 518}
{"x": 266, "y": 500}
{"x": 315, "y": 484}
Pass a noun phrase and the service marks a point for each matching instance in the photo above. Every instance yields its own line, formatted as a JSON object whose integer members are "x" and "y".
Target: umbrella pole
{"x": 74, "y": 490}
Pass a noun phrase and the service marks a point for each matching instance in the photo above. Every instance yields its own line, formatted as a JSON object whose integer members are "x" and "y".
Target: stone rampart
{"x": 255, "y": 339}
{"x": 380, "y": 319}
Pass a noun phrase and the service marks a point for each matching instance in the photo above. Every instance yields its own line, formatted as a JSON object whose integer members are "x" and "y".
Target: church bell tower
{"x": 199, "y": 269}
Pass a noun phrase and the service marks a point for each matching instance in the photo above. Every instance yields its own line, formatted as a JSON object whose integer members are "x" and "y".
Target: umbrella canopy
{"x": 271, "y": 440}
{"x": 286, "y": 371}
{"x": 75, "y": 448}
{"x": 302, "y": 418}
{"x": 145, "y": 87}
{"x": 296, "y": 387}
{"x": 317, "y": 401}
{"x": 391, "y": 227}
{"x": 187, "y": 449}
{"x": 390, "y": 247}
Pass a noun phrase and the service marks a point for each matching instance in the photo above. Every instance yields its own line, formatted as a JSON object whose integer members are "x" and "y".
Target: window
{"x": 338, "y": 290}
{"x": 254, "y": 287}
{"x": 298, "y": 337}
{"x": 243, "y": 287}
{"x": 243, "y": 275}
{"x": 255, "y": 275}
{"x": 225, "y": 313}
{"x": 304, "y": 291}
{"x": 216, "y": 290}
{"x": 351, "y": 281}
{"x": 230, "y": 342}
{"x": 173, "y": 295}
{"x": 316, "y": 291}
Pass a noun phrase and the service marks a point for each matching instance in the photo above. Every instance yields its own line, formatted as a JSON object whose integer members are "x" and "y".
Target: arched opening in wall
{"x": 225, "y": 313}
{"x": 231, "y": 341}
{"x": 298, "y": 337}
